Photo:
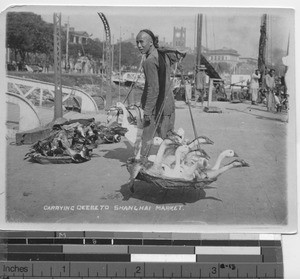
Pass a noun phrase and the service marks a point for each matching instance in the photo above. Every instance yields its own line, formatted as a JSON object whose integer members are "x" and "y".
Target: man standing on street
{"x": 254, "y": 85}
{"x": 270, "y": 86}
{"x": 157, "y": 99}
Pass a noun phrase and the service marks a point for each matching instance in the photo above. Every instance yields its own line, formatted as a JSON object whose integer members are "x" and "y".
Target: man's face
{"x": 144, "y": 42}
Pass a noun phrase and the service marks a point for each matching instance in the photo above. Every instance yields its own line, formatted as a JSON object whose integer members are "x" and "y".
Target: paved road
{"x": 96, "y": 191}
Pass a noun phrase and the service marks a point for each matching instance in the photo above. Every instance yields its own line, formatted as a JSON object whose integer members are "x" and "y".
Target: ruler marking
{"x": 88, "y": 272}
{"x": 181, "y": 271}
{"x": 256, "y": 271}
{"x": 275, "y": 272}
{"x": 106, "y": 270}
{"x": 69, "y": 269}
{"x": 51, "y": 271}
{"x": 32, "y": 269}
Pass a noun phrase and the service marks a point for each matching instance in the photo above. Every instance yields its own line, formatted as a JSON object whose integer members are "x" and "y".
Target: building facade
{"x": 227, "y": 55}
{"x": 224, "y": 55}
{"x": 77, "y": 37}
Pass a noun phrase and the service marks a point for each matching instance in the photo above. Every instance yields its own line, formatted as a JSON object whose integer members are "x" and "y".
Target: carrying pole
{"x": 192, "y": 119}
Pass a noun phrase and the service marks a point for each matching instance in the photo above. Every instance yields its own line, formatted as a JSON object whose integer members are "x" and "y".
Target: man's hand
{"x": 146, "y": 121}
{"x": 147, "y": 118}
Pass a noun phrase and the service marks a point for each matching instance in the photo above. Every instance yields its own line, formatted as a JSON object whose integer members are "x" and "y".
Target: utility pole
{"x": 120, "y": 56}
{"x": 57, "y": 66}
{"x": 198, "y": 73}
{"x": 112, "y": 54}
{"x": 262, "y": 47}
{"x": 67, "y": 48}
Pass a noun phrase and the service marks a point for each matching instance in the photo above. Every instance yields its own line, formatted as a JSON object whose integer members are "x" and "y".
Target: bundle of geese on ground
{"x": 73, "y": 141}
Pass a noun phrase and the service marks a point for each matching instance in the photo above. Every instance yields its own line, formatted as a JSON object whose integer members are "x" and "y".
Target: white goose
{"x": 202, "y": 162}
{"x": 169, "y": 156}
{"x": 212, "y": 174}
{"x": 156, "y": 142}
{"x": 225, "y": 154}
{"x": 180, "y": 170}
{"x": 196, "y": 156}
{"x": 139, "y": 125}
{"x": 156, "y": 168}
{"x": 132, "y": 132}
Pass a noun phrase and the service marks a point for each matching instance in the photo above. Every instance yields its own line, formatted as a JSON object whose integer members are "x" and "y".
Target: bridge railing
{"x": 42, "y": 93}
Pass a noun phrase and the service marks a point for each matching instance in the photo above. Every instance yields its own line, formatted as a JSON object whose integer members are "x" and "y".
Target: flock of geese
{"x": 177, "y": 157}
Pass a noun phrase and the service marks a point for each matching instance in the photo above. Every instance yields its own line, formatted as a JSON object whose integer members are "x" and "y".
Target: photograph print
{"x": 149, "y": 118}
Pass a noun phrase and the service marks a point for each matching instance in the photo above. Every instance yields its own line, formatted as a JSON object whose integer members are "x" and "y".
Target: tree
{"x": 130, "y": 56}
{"x": 28, "y": 33}
{"x": 94, "y": 48}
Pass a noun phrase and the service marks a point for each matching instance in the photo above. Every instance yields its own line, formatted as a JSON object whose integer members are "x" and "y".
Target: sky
{"x": 236, "y": 28}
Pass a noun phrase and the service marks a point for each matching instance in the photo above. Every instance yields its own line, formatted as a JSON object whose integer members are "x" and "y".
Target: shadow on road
{"x": 249, "y": 109}
{"x": 153, "y": 194}
{"x": 121, "y": 154}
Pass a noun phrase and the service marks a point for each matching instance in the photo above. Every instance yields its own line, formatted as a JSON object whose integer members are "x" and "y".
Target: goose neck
{"x": 219, "y": 160}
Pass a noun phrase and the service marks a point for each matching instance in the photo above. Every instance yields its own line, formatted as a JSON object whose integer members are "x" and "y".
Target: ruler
{"x": 139, "y": 255}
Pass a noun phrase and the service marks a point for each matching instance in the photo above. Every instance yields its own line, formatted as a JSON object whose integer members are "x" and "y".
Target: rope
{"x": 139, "y": 72}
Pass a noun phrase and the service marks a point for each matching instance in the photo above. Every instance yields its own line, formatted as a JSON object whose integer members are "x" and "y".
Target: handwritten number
{"x": 94, "y": 241}
{"x": 138, "y": 269}
{"x": 64, "y": 268}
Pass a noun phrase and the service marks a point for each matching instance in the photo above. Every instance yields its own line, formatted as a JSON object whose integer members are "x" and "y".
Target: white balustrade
{"x": 42, "y": 93}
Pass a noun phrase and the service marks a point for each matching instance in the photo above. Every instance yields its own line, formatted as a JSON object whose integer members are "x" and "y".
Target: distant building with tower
{"x": 179, "y": 38}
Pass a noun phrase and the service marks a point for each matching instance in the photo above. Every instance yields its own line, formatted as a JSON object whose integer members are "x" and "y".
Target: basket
{"x": 174, "y": 183}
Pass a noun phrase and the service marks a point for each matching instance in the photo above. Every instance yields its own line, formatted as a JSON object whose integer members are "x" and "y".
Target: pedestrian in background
{"x": 200, "y": 84}
{"x": 254, "y": 85}
{"x": 157, "y": 99}
{"x": 188, "y": 90}
{"x": 270, "y": 87}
